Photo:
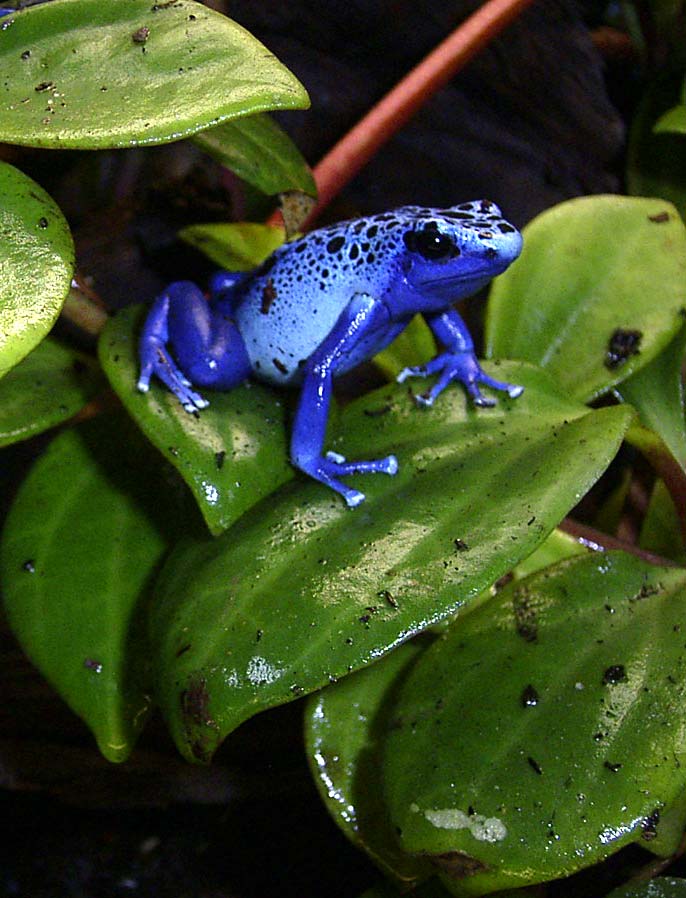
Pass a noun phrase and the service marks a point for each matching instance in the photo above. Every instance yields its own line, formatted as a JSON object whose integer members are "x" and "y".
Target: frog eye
{"x": 431, "y": 244}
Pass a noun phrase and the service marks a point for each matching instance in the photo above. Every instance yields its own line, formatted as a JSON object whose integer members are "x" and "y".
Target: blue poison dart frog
{"x": 324, "y": 303}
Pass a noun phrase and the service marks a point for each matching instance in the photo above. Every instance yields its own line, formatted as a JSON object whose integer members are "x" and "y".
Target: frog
{"x": 322, "y": 304}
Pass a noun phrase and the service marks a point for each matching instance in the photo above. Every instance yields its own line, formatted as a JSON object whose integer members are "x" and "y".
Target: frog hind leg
{"x": 362, "y": 315}
{"x": 187, "y": 343}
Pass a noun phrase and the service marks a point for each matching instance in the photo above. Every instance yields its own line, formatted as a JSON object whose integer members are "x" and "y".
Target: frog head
{"x": 454, "y": 252}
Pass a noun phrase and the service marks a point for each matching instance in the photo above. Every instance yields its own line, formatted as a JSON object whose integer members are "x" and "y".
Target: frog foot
{"x": 157, "y": 361}
{"x": 462, "y": 367}
{"x": 330, "y": 467}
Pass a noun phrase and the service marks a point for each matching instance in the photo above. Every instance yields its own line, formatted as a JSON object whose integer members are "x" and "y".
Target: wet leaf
{"x": 660, "y": 887}
{"x": 342, "y": 727}
{"x": 259, "y": 152}
{"x": 231, "y": 454}
{"x": 293, "y": 593}
{"x": 596, "y": 294}
{"x": 36, "y": 264}
{"x": 657, "y": 393}
{"x": 87, "y": 74}
{"x": 83, "y": 537}
{"x": 49, "y": 386}
{"x": 541, "y": 733}
{"x": 236, "y": 247}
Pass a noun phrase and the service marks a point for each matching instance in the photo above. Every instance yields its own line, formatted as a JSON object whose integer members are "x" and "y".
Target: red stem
{"x": 357, "y": 147}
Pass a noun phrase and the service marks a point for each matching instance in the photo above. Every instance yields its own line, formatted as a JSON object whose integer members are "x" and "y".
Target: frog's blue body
{"x": 326, "y": 302}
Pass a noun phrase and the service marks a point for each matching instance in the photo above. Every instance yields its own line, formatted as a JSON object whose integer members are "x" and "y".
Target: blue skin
{"x": 323, "y": 304}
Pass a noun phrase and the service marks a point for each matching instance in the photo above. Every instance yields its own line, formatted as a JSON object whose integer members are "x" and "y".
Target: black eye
{"x": 431, "y": 244}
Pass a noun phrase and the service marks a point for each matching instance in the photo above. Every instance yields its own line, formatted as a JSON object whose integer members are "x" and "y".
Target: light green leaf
{"x": 88, "y": 74}
{"x": 295, "y": 592}
{"x": 259, "y": 152}
{"x": 596, "y": 273}
{"x": 236, "y": 247}
{"x": 49, "y": 386}
{"x": 36, "y": 264}
{"x": 672, "y": 122}
{"x": 541, "y": 733}
{"x": 657, "y": 393}
{"x": 231, "y": 454}
{"x": 83, "y": 537}
{"x": 413, "y": 347}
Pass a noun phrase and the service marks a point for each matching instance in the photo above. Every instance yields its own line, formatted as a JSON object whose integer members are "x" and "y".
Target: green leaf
{"x": 36, "y": 264}
{"x": 231, "y": 454}
{"x": 259, "y": 152}
{"x": 660, "y": 887}
{"x": 342, "y": 727}
{"x": 87, "y": 74}
{"x": 672, "y": 122}
{"x": 661, "y": 528}
{"x": 49, "y": 386}
{"x": 85, "y": 533}
{"x": 656, "y": 162}
{"x": 236, "y": 247}
{"x": 413, "y": 347}
{"x": 657, "y": 393}
{"x": 541, "y": 733}
{"x": 592, "y": 269}
{"x": 297, "y": 590}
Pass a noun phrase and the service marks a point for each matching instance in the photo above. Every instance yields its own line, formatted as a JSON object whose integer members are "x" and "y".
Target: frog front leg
{"x": 187, "y": 342}
{"x": 458, "y": 362}
{"x": 361, "y": 317}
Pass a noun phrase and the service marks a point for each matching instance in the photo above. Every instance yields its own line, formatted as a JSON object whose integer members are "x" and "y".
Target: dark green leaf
{"x": 596, "y": 293}
{"x": 672, "y": 122}
{"x": 295, "y": 592}
{"x": 342, "y": 727}
{"x": 541, "y": 733}
{"x": 236, "y": 247}
{"x": 88, "y": 74}
{"x": 50, "y": 385}
{"x": 661, "y": 887}
{"x": 661, "y": 528}
{"x": 657, "y": 392}
{"x": 259, "y": 152}
{"x": 656, "y": 162}
{"x": 231, "y": 454}
{"x": 36, "y": 264}
{"x": 85, "y": 533}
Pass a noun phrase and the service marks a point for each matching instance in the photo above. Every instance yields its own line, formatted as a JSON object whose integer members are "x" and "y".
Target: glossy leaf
{"x": 36, "y": 264}
{"x": 235, "y": 247}
{"x": 660, "y": 887}
{"x": 259, "y": 152}
{"x": 49, "y": 386}
{"x": 413, "y": 347}
{"x": 296, "y": 591}
{"x": 85, "y": 533}
{"x": 541, "y": 733}
{"x": 87, "y": 74}
{"x": 657, "y": 392}
{"x": 342, "y": 727}
{"x": 596, "y": 293}
{"x": 231, "y": 454}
